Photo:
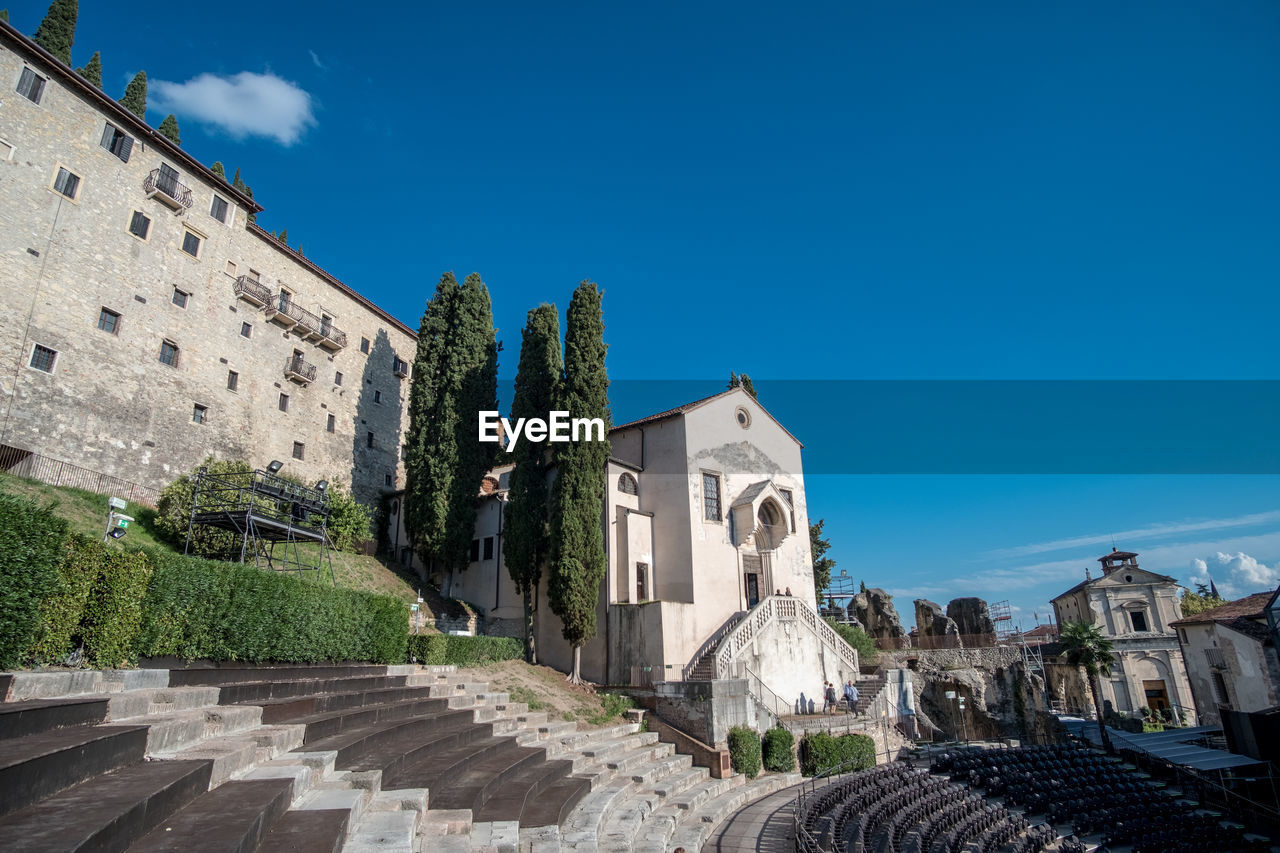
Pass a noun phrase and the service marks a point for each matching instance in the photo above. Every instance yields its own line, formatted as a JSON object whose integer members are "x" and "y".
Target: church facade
{"x": 705, "y": 521}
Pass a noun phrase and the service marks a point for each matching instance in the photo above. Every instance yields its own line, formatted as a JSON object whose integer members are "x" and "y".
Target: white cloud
{"x": 1149, "y": 532}
{"x": 315, "y": 57}
{"x": 1235, "y": 575}
{"x": 244, "y": 104}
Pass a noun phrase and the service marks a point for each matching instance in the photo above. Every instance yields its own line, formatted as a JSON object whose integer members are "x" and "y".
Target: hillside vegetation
{"x": 86, "y": 514}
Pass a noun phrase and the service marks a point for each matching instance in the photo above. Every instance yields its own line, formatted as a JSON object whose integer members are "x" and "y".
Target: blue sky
{"x": 845, "y": 191}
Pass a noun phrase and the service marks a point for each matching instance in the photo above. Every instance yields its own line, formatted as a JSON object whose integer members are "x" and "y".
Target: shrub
{"x": 744, "y": 751}
{"x": 437, "y": 649}
{"x": 820, "y": 752}
{"x": 858, "y": 638}
{"x": 63, "y": 608}
{"x": 349, "y": 520}
{"x": 779, "y": 755}
{"x": 31, "y": 551}
{"x": 173, "y": 512}
{"x": 113, "y": 612}
{"x": 227, "y": 611}
{"x": 612, "y": 706}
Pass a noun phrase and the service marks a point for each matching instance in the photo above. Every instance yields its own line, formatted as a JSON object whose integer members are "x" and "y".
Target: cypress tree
{"x": 743, "y": 381}
{"x": 218, "y": 169}
{"x": 57, "y": 32}
{"x": 92, "y": 70}
{"x": 527, "y": 543}
{"x": 475, "y": 362}
{"x": 237, "y": 182}
{"x": 284, "y": 236}
{"x": 4, "y": 15}
{"x": 169, "y": 129}
{"x": 577, "y": 539}
{"x": 431, "y": 425}
{"x": 455, "y": 376}
{"x": 135, "y": 95}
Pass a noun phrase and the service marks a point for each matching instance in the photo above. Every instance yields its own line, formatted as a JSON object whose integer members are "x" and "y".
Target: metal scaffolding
{"x": 268, "y": 517}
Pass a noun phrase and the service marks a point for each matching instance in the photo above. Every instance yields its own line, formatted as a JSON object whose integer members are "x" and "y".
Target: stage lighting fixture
{"x": 275, "y": 466}
{"x": 322, "y": 485}
{"x": 117, "y": 532}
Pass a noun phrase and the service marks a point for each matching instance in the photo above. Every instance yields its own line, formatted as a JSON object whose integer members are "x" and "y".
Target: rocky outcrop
{"x": 934, "y": 629}
{"x": 972, "y": 617}
{"x": 875, "y": 612}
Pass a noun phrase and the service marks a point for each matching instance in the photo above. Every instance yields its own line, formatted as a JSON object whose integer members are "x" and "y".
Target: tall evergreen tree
{"x": 577, "y": 539}
{"x": 527, "y": 543}
{"x": 57, "y": 32}
{"x": 822, "y": 564}
{"x": 455, "y": 376}
{"x": 135, "y": 95}
{"x": 284, "y": 236}
{"x": 4, "y": 15}
{"x": 743, "y": 381}
{"x": 92, "y": 70}
{"x": 169, "y": 129}
{"x": 218, "y": 169}
{"x": 237, "y": 182}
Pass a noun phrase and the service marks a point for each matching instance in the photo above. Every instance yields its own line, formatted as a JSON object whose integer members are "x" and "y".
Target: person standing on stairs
{"x": 851, "y": 696}
{"x": 829, "y": 698}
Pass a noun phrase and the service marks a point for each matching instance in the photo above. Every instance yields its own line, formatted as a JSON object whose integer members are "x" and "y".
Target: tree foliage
{"x": 1088, "y": 649}
{"x": 527, "y": 544}
{"x": 454, "y": 377}
{"x": 57, "y": 32}
{"x": 577, "y": 540}
{"x": 822, "y": 564}
{"x": 863, "y": 642}
{"x": 4, "y": 15}
{"x": 169, "y": 129}
{"x": 135, "y": 95}
{"x": 743, "y": 381}
{"x": 218, "y": 169}
{"x": 92, "y": 70}
{"x": 1199, "y": 601}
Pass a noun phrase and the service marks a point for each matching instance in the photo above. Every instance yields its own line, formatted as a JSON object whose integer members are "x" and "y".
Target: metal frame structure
{"x": 270, "y": 516}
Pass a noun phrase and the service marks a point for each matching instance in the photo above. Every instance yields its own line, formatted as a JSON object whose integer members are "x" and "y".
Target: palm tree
{"x": 1087, "y": 648}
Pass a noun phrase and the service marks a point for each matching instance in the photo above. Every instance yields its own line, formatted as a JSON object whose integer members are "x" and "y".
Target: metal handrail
{"x": 300, "y": 367}
{"x": 333, "y": 333}
{"x": 172, "y": 187}
{"x": 252, "y": 287}
{"x": 752, "y": 681}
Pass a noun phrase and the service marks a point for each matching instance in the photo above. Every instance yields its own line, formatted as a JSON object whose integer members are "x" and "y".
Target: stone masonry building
{"x": 146, "y": 324}
{"x": 1135, "y": 610}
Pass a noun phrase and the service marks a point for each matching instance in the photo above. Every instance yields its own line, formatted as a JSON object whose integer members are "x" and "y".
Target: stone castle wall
{"x": 109, "y": 404}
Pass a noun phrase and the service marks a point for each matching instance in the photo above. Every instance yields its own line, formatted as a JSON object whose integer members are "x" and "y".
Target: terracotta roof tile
{"x": 1250, "y": 607}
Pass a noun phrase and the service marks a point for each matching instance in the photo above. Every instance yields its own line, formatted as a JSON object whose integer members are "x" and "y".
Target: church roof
{"x": 1249, "y": 607}
{"x": 1092, "y": 581}
{"x": 689, "y": 407}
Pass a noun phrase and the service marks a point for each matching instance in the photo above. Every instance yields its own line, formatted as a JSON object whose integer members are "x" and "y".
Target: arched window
{"x": 627, "y": 485}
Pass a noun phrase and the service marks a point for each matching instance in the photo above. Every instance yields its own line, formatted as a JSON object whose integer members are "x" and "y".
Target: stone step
{"x": 249, "y": 674}
{"x": 38, "y": 765}
{"x": 151, "y": 701}
{"x": 313, "y": 831}
{"x": 234, "y": 755}
{"x": 695, "y": 828}
{"x": 457, "y": 688}
{"x": 177, "y": 730}
{"x": 526, "y": 720}
{"x": 55, "y": 685}
{"x": 592, "y": 814}
{"x": 234, "y": 816}
{"x": 354, "y": 801}
{"x": 390, "y": 831}
{"x": 35, "y": 716}
{"x": 500, "y": 836}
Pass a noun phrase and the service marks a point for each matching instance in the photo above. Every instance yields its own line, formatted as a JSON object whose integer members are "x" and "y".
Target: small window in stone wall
{"x": 246, "y": 330}
{"x": 284, "y": 402}
{"x": 43, "y": 358}
{"x": 388, "y": 479}
{"x": 627, "y": 485}
{"x": 369, "y": 440}
{"x": 233, "y": 380}
{"x": 191, "y": 244}
{"x": 109, "y": 321}
{"x": 377, "y": 397}
{"x": 199, "y": 413}
{"x": 364, "y": 345}
{"x": 180, "y": 297}
{"x": 67, "y": 183}
{"x": 330, "y": 423}
{"x": 337, "y": 378}
{"x": 299, "y": 450}
{"x": 139, "y": 225}
{"x": 169, "y": 353}
{"x": 218, "y": 209}
{"x": 31, "y": 85}
{"x": 117, "y": 141}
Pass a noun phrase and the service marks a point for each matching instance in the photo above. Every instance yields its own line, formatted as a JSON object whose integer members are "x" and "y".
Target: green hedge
{"x": 820, "y": 752}
{"x": 779, "y": 750}
{"x": 227, "y": 611}
{"x": 744, "y": 751}
{"x": 57, "y": 589}
{"x": 437, "y": 649}
{"x": 31, "y": 551}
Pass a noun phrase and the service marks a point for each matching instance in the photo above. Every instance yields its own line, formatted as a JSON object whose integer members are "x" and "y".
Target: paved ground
{"x": 764, "y": 826}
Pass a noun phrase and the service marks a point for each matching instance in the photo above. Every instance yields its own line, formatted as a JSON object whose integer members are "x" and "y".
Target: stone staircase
{"x": 332, "y": 758}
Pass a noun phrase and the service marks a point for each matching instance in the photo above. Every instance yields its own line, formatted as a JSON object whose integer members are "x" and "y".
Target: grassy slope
{"x": 87, "y": 513}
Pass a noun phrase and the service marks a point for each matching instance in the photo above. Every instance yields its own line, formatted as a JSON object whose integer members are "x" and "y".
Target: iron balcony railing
{"x": 331, "y": 335}
{"x": 168, "y": 186}
{"x": 299, "y": 369}
{"x": 252, "y": 290}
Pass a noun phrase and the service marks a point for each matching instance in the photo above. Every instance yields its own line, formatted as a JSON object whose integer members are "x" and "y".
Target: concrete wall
{"x": 1250, "y": 674}
{"x": 110, "y": 405}
{"x": 706, "y": 709}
